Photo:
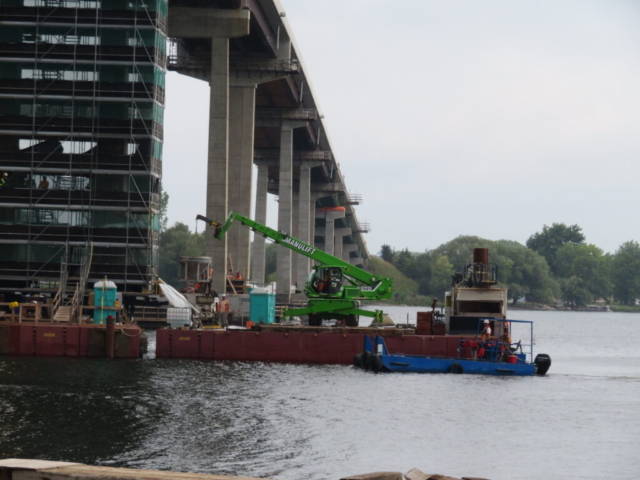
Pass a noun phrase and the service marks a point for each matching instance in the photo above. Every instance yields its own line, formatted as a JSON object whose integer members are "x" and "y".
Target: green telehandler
{"x": 334, "y": 288}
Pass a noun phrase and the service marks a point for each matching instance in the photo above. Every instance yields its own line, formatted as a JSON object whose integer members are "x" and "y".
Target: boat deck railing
{"x": 500, "y": 345}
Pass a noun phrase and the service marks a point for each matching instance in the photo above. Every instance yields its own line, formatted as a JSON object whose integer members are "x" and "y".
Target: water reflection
{"x": 324, "y": 422}
{"x": 83, "y": 410}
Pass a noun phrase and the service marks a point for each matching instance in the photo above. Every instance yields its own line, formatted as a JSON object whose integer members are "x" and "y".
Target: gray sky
{"x": 486, "y": 118}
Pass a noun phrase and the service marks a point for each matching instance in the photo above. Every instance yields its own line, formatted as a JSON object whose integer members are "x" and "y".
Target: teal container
{"x": 105, "y": 296}
{"x": 262, "y": 306}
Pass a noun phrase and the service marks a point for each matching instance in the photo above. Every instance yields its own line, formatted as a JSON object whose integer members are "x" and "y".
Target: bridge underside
{"x": 263, "y": 113}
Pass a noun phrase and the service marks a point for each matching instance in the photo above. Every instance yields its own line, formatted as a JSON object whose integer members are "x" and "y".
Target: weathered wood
{"x": 26, "y": 464}
{"x": 376, "y": 476}
{"x": 37, "y": 469}
{"x": 416, "y": 474}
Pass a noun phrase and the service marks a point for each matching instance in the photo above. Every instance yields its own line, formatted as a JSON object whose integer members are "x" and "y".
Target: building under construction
{"x": 81, "y": 113}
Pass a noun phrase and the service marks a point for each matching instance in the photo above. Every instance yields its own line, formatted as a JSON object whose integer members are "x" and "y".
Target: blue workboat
{"x": 482, "y": 356}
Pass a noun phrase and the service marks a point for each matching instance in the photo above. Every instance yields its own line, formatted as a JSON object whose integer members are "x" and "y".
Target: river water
{"x": 581, "y": 421}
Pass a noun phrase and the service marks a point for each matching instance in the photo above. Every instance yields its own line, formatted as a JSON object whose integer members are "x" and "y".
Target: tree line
{"x": 556, "y": 264}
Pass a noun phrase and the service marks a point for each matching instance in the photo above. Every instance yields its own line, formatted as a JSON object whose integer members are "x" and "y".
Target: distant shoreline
{"x": 588, "y": 308}
{"x": 544, "y": 307}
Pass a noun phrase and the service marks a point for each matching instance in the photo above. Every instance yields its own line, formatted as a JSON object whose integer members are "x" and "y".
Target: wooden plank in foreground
{"x": 23, "y": 469}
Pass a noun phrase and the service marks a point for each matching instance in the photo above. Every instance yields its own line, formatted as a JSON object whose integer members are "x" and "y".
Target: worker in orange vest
{"x": 224, "y": 307}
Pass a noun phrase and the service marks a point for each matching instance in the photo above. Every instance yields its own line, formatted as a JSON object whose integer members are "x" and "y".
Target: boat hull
{"x": 376, "y": 357}
{"x": 410, "y": 364}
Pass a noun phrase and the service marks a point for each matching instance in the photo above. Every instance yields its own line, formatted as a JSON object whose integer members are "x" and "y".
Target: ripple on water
{"x": 323, "y": 422}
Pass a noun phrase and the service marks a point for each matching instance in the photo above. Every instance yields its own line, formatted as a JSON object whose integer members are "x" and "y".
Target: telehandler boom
{"x": 334, "y": 288}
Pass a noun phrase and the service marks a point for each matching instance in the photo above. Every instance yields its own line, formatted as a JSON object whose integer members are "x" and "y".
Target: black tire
{"x": 456, "y": 368}
{"x": 352, "y": 320}
{"x": 375, "y": 363}
{"x": 365, "y": 360}
{"x": 358, "y": 361}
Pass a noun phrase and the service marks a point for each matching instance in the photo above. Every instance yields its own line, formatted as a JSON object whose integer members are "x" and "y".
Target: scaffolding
{"x": 81, "y": 132}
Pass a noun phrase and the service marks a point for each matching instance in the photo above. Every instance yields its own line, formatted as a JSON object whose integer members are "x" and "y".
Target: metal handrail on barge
{"x": 494, "y": 350}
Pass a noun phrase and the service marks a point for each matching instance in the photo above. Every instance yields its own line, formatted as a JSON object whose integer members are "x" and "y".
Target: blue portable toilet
{"x": 262, "y": 306}
{"x": 105, "y": 295}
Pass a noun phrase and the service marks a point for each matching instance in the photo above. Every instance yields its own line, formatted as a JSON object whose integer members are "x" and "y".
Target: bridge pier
{"x": 259, "y": 242}
{"x": 285, "y": 209}
{"x": 241, "y": 127}
{"x": 219, "y": 26}
{"x": 338, "y": 239}
{"x": 347, "y": 250}
{"x": 218, "y": 156}
{"x": 244, "y": 82}
{"x": 329, "y": 229}
{"x": 304, "y": 222}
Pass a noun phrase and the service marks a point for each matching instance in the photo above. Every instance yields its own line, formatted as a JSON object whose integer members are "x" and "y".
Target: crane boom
{"x": 333, "y": 287}
{"x": 294, "y": 244}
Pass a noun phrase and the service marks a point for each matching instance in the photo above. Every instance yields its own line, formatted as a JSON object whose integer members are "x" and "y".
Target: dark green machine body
{"x": 334, "y": 288}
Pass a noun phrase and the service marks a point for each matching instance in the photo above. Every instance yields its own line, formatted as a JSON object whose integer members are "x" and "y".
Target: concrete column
{"x": 340, "y": 233}
{"x": 218, "y": 157}
{"x": 329, "y": 229}
{"x": 221, "y": 24}
{"x": 241, "y": 128}
{"x": 312, "y": 223}
{"x": 337, "y": 247}
{"x": 259, "y": 242}
{"x": 283, "y": 269}
{"x": 304, "y": 222}
{"x": 346, "y": 251}
{"x": 295, "y": 232}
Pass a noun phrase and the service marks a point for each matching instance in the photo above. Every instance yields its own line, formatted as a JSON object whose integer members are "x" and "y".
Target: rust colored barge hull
{"x": 68, "y": 340}
{"x": 293, "y": 347}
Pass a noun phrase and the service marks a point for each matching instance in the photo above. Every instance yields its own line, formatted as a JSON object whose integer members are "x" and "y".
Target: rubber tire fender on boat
{"x": 374, "y": 363}
{"x": 456, "y": 368}
{"x": 358, "y": 361}
{"x": 365, "y": 360}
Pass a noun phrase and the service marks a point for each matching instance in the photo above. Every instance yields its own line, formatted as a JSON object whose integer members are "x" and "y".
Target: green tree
{"x": 403, "y": 260}
{"x": 587, "y": 263}
{"x": 177, "y": 241}
{"x": 525, "y": 272}
{"x": 271, "y": 253}
{"x": 626, "y": 273}
{"x": 441, "y": 276}
{"x": 574, "y": 292}
{"x": 552, "y": 238}
{"x": 420, "y": 270}
{"x": 164, "y": 205}
{"x": 387, "y": 253}
{"x": 459, "y": 251}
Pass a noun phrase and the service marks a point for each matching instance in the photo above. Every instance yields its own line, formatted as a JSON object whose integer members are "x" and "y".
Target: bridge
{"x": 263, "y": 112}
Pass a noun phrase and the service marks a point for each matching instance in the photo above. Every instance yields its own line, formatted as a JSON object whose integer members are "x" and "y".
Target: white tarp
{"x": 175, "y": 298}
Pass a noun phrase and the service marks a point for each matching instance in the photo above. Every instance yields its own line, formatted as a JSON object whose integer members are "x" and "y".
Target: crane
{"x": 334, "y": 288}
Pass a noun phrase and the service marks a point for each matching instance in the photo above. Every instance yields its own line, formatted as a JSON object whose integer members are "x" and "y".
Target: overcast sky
{"x": 488, "y": 118}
